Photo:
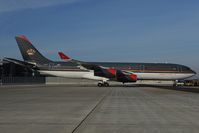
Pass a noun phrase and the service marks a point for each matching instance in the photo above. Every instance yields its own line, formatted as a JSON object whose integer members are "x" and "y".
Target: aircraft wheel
{"x": 106, "y": 84}
{"x": 99, "y": 84}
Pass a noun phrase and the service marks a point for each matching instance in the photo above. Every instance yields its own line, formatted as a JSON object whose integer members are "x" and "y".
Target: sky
{"x": 159, "y": 31}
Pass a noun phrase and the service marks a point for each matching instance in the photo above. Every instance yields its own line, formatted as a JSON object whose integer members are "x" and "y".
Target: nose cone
{"x": 193, "y": 72}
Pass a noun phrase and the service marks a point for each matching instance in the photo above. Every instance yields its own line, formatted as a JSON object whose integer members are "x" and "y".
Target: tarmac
{"x": 90, "y": 109}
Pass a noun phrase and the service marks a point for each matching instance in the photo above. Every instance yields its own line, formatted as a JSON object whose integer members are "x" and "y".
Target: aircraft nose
{"x": 193, "y": 72}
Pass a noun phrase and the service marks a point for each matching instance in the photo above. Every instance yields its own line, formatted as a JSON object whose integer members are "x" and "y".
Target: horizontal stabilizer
{"x": 18, "y": 62}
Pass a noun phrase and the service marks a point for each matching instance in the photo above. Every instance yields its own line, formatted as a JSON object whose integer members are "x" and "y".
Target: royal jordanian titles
{"x": 100, "y": 71}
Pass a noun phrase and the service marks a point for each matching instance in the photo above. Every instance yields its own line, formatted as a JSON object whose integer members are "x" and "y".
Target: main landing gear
{"x": 105, "y": 84}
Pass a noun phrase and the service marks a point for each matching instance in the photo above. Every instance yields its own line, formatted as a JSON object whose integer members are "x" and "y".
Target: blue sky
{"x": 105, "y": 30}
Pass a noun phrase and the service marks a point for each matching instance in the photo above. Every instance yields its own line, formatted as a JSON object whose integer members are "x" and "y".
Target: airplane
{"x": 124, "y": 72}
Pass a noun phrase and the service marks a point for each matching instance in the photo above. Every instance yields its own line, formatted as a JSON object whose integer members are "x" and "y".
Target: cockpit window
{"x": 185, "y": 69}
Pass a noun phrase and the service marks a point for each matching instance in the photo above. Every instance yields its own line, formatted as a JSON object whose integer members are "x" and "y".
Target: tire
{"x": 106, "y": 84}
{"x": 99, "y": 84}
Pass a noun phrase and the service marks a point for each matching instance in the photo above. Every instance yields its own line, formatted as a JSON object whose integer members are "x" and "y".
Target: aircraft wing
{"x": 107, "y": 72}
{"x": 81, "y": 64}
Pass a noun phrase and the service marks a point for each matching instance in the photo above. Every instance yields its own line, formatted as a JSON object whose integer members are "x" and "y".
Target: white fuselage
{"x": 140, "y": 76}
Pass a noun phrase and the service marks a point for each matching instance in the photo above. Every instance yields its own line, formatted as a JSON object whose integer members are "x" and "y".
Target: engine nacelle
{"x": 105, "y": 72}
{"x": 114, "y": 74}
{"x": 125, "y": 77}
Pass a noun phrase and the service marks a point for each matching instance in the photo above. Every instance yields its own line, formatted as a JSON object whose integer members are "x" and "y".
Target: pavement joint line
{"x": 94, "y": 108}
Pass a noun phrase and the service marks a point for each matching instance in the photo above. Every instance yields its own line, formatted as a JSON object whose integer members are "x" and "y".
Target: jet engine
{"x": 114, "y": 74}
{"x": 105, "y": 72}
{"x": 124, "y": 77}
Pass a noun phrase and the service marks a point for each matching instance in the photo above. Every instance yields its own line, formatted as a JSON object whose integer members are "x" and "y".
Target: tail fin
{"x": 29, "y": 52}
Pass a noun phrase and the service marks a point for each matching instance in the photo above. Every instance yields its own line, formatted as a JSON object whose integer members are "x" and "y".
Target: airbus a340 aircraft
{"x": 101, "y": 71}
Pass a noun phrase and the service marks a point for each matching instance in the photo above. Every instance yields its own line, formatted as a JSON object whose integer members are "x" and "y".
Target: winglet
{"x": 63, "y": 56}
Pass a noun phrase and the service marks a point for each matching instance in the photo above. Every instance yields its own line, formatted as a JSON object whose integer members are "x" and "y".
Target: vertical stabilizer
{"x": 29, "y": 52}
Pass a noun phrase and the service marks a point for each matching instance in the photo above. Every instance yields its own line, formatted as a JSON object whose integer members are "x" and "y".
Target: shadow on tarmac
{"x": 180, "y": 88}
{"x": 193, "y": 89}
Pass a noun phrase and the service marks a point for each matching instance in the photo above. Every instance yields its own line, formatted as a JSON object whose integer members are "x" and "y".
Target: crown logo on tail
{"x": 30, "y": 52}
